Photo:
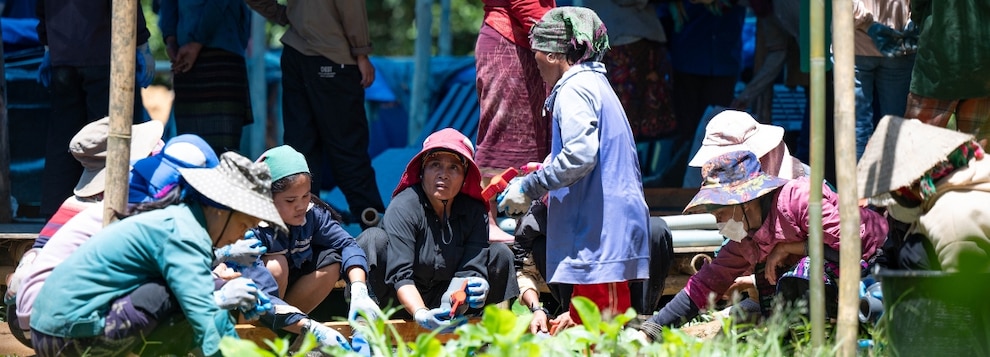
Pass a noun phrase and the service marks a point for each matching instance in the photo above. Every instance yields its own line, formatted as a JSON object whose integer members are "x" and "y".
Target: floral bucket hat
{"x": 730, "y": 179}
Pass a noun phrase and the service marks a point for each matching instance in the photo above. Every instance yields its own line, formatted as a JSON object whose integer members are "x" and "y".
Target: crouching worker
{"x": 436, "y": 239}
{"x": 766, "y": 220}
{"x": 937, "y": 181}
{"x": 316, "y": 252}
{"x": 148, "y": 277}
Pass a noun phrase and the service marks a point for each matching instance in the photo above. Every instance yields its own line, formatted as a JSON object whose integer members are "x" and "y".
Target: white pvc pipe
{"x": 690, "y": 221}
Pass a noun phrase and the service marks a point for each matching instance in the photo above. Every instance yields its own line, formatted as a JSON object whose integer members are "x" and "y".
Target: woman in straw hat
{"x": 766, "y": 219}
{"x": 436, "y": 238}
{"x": 937, "y": 181}
{"x": 597, "y": 219}
{"x": 97, "y": 300}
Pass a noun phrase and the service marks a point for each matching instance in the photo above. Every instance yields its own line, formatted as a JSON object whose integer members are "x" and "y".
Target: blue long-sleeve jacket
{"x": 223, "y": 24}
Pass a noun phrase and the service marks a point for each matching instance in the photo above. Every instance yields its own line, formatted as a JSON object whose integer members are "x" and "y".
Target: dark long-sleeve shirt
{"x": 77, "y": 32}
{"x": 426, "y": 252}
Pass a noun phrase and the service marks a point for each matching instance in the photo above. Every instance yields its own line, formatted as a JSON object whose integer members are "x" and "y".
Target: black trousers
{"x": 79, "y": 96}
{"x": 324, "y": 119}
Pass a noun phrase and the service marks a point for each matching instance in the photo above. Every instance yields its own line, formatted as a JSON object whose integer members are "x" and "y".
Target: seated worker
{"x": 152, "y": 180}
{"x": 437, "y": 238}
{"x": 316, "y": 251}
{"x": 734, "y": 130}
{"x": 766, "y": 219}
{"x": 89, "y": 147}
{"x": 937, "y": 181}
{"x": 530, "y": 254}
{"x": 112, "y": 294}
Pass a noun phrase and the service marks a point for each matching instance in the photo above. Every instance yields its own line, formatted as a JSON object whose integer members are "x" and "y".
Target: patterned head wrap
{"x": 565, "y": 28}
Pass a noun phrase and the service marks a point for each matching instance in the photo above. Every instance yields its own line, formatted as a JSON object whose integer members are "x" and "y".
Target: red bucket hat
{"x": 446, "y": 140}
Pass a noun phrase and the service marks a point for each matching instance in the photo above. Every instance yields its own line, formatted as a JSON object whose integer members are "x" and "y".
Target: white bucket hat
{"x": 89, "y": 147}
{"x": 733, "y": 130}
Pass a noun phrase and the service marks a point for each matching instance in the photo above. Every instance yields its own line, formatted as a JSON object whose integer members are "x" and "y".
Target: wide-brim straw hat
{"x": 733, "y": 130}
{"x": 730, "y": 179}
{"x": 901, "y": 151}
{"x": 89, "y": 147}
{"x": 238, "y": 183}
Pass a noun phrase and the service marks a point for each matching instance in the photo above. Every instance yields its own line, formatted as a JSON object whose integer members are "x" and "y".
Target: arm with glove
{"x": 577, "y": 158}
{"x": 242, "y": 253}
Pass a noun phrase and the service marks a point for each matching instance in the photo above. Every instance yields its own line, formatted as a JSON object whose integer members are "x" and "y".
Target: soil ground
{"x": 9, "y": 346}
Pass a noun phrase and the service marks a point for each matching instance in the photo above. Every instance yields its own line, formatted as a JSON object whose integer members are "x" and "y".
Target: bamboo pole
{"x": 6, "y": 211}
{"x": 420, "y": 101}
{"x": 122, "y": 65}
{"x": 843, "y": 72}
{"x": 815, "y": 250}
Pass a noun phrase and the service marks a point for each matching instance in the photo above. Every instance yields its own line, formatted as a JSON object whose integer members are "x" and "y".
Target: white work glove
{"x": 477, "y": 291}
{"x": 145, "y": 66}
{"x": 325, "y": 336}
{"x": 21, "y": 272}
{"x": 513, "y": 201}
{"x": 239, "y": 293}
{"x": 243, "y": 252}
{"x": 438, "y": 318}
{"x": 361, "y": 302}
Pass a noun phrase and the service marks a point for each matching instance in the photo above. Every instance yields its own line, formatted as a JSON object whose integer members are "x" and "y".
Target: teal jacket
{"x": 169, "y": 244}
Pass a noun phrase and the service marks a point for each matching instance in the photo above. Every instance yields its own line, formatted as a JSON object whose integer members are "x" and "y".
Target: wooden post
{"x": 420, "y": 101}
{"x": 844, "y": 73}
{"x": 815, "y": 249}
{"x": 255, "y": 140}
{"x": 122, "y": 66}
{"x": 6, "y": 211}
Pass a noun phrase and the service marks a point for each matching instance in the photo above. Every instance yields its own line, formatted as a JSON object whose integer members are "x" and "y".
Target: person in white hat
{"x": 89, "y": 147}
{"x": 733, "y": 130}
{"x": 936, "y": 180}
{"x": 97, "y": 301}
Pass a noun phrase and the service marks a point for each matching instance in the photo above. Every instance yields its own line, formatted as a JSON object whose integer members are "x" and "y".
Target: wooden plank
{"x": 407, "y": 330}
{"x": 668, "y": 201}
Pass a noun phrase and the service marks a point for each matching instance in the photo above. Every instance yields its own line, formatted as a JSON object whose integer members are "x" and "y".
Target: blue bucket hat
{"x": 154, "y": 176}
{"x": 730, "y": 179}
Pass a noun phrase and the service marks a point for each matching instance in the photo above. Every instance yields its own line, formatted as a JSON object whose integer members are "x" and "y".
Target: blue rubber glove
{"x": 238, "y": 293}
{"x": 145, "y": 66}
{"x": 45, "y": 69}
{"x": 262, "y": 305}
{"x": 325, "y": 336}
{"x": 242, "y": 253}
{"x": 360, "y": 344}
{"x": 361, "y": 302}
{"x": 438, "y": 318}
{"x": 477, "y": 292}
{"x": 887, "y": 40}
{"x": 513, "y": 200}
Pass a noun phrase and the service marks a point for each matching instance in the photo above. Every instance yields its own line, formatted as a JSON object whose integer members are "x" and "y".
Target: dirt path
{"x": 9, "y": 346}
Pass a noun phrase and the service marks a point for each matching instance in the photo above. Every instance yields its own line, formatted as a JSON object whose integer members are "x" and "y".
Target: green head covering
{"x": 566, "y": 27}
{"x": 284, "y": 161}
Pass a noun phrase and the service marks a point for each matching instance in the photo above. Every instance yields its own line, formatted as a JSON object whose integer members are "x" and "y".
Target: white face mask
{"x": 732, "y": 229}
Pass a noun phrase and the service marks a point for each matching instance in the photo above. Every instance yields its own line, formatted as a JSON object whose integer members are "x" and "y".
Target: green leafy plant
{"x": 505, "y": 332}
